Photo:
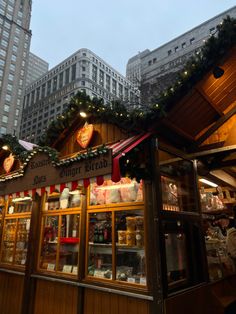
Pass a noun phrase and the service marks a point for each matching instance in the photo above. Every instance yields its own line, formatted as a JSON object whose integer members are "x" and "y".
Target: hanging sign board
{"x": 40, "y": 172}
{"x": 8, "y": 163}
{"x": 84, "y": 135}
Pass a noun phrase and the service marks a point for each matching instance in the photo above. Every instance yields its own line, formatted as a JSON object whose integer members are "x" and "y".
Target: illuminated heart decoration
{"x": 8, "y": 163}
{"x": 84, "y": 135}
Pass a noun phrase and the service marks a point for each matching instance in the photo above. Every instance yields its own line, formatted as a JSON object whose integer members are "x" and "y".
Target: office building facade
{"x": 36, "y": 68}
{"x": 46, "y": 98}
{"x": 15, "y": 39}
{"x": 156, "y": 70}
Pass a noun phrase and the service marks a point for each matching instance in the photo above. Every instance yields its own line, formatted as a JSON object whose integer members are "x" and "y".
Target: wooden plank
{"x": 215, "y": 126}
{"x": 11, "y": 289}
{"x": 55, "y": 297}
{"x": 209, "y": 101}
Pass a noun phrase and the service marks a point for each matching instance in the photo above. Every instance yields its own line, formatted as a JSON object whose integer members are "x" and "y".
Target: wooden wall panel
{"x": 103, "y": 133}
{"x": 226, "y": 133}
{"x": 54, "y": 297}
{"x": 212, "y": 298}
{"x": 97, "y": 302}
{"x": 11, "y": 291}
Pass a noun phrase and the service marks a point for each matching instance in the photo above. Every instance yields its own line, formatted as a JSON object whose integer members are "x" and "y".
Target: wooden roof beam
{"x": 209, "y": 101}
{"x": 215, "y": 126}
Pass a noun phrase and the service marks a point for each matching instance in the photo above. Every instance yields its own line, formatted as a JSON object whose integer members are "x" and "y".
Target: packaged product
{"x": 130, "y": 238}
{"x": 130, "y": 223}
{"x": 122, "y": 237}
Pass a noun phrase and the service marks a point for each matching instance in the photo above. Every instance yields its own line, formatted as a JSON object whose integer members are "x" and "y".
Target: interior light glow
{"x": 208, "y": 182}
{"x": 18, "y": 199}
{"x": 5, "y": 147}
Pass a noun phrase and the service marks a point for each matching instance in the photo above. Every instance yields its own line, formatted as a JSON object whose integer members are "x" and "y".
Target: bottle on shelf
{"x": 101, "y": 234}
{"x": 95, "y": 235}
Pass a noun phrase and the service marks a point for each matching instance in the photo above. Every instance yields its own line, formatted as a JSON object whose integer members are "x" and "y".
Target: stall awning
{"x": 119, "y": 149}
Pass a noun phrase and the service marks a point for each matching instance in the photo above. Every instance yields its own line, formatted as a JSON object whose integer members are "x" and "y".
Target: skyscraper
{"x": 47, "y": 97}
{"x": 36, "y": 68}
{"x": 15, "y": 37}
{"x": 154, "y": 71}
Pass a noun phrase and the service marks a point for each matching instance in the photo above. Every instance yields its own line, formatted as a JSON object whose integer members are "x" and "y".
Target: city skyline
{"x": 118, "y": 31}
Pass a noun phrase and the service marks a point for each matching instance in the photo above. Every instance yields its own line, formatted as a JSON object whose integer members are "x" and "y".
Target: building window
{"x": 169, "y": 52}
{"x": 212, "y": 30}
{"x": 192, "y": 40}
{"x": 8, "y": 97}
{"x": 4, "y": 119}
{"x": 37, "y": 93}
{"x": 6, "y": 108}
{"x": 49, "y": 87}
{"x": 73, "y": 72}
{"x": 11, "y": 77}
{"x": 3, "y": 130}
{"x": 61, "y": 79}
{"x": 14, "y": 48}
{"x": 12, "y": 67}
{"x": 2, "y": 63}
{"x": 15, "y": 122}
{"x": 9, "y": 87}
{"x": 5, "y": 34}
{"x": 101, "y": 77}
{"x": 4, "y": 43}
{"x": 183, "y": 45}
{"x": 67, "y": 78}
{"x": 43, "y": 90}
{"x": 3, "y": 53}
{"x": 176, "y": 48}
{"x": 54, "y": 84}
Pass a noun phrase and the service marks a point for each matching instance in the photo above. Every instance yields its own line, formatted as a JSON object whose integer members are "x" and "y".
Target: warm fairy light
{"x": 5, "y": 147}
{"x": 83, "y": 114}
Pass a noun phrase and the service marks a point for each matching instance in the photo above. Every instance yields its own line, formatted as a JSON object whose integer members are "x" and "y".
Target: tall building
{"x": 156, "y": 69}
{"x": 36, "y": 68}
{"x": 15, "y": 37}
{"x": 47, "y": 97}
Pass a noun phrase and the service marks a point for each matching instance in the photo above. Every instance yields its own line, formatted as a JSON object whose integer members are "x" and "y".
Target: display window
{"x": 60, "y": 232}
{"x": 177, "y": 183}
{"x": 116, "y": 245}
{"x": 217, "y": 202}
{"x": 125, "y": 191}
{"x": 16, "y": 229}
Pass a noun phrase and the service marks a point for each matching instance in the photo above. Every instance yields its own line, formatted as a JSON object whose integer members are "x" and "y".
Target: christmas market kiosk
{"x": 114, "y": 213}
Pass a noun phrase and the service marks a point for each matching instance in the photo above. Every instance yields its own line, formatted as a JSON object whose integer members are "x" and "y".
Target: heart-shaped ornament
{"x": 84, "y": 135}
{"x": 8, "y": 163}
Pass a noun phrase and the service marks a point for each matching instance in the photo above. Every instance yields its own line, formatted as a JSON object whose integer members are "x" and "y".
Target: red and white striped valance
{"x": 60, "y": 187}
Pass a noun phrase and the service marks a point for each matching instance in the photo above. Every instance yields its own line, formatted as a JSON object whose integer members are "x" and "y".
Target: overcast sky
{"x": 115, "y": 30}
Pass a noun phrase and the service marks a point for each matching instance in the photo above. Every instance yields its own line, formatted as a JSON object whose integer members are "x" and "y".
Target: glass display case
{"x": 177, "y": 183}
{"x": 59, "y": 247}
{"x": 16, "y": 232}
{"x": 116, "y": 246}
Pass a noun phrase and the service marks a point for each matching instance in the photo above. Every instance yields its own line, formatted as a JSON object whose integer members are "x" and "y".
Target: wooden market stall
{"x": 119, "y": 221}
